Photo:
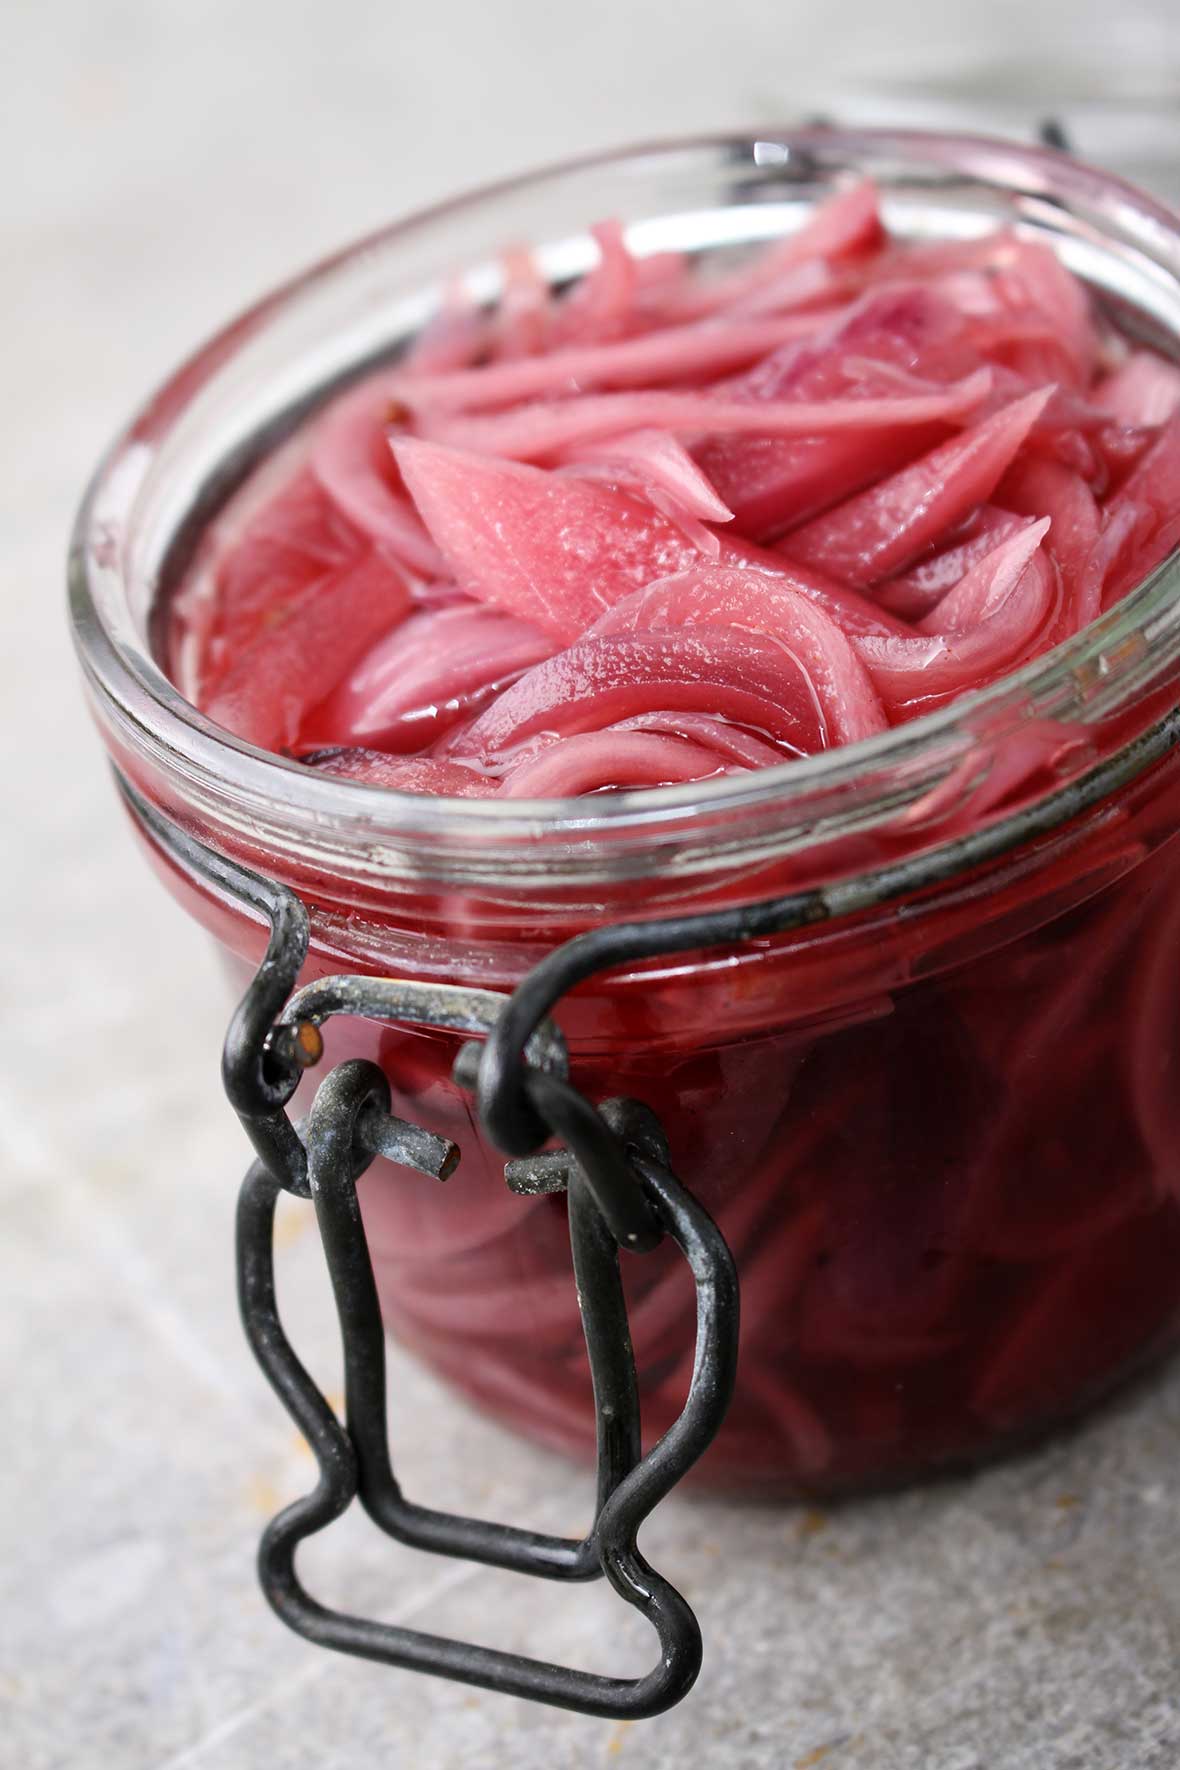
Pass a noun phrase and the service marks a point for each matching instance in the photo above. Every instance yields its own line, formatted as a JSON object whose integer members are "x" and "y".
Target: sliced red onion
{"x": 544, "y": 430}
{"x": 430, "y": 671}
{"x": 881, "y": 531}
{"x": 612, "y": 758}
{"x": 748, "y": 602}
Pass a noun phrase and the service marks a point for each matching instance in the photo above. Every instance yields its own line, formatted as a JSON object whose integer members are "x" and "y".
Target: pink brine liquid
{"x": 676, "y": 523}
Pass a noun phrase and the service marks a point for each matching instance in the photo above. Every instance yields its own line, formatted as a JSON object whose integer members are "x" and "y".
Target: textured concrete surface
{"x": 160, "y": 166}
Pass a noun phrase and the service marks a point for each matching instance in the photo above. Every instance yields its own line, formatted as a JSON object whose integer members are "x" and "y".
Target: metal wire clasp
{"x": 354, "y": 1456}
{"x": 622, "y": 1195}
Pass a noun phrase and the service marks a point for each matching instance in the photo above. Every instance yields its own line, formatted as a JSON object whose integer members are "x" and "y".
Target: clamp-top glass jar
{"x": 941, "y": 1131}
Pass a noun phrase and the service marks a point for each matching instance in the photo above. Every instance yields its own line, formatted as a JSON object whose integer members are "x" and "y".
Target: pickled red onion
{"x": 688, "y": 524}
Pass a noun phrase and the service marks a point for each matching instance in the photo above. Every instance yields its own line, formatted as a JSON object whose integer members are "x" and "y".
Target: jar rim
{"x": 149, "y": 717}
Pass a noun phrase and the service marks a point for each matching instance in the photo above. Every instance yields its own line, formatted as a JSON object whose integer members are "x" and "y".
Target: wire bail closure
{"x": 622, "y": 1195}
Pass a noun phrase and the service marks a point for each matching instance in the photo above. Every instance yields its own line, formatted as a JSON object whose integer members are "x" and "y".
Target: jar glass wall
{"x": 938, "y": 1134}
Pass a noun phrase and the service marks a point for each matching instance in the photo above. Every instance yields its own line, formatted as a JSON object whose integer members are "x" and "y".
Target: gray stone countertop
{"x": 162, "y": 165}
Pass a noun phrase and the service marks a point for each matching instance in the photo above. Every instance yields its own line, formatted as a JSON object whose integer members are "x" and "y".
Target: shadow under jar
{"x": 941, "y": 1134}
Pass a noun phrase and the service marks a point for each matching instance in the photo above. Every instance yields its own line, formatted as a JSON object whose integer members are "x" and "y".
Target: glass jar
{"x": 941, "y": 1133}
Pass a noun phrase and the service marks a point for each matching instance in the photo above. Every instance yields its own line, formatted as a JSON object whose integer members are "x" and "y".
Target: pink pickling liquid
{"x": 669, "y": 527}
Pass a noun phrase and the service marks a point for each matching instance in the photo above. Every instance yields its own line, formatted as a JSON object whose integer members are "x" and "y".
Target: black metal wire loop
{"x": 334, "y": 1164}
{"x": 354, "y": 1458}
